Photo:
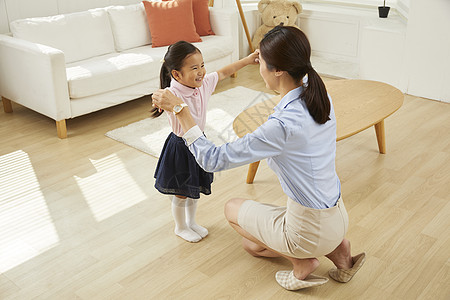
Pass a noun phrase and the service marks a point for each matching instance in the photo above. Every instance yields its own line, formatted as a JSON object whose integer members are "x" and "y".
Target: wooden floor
{"x": 80, "y": 218}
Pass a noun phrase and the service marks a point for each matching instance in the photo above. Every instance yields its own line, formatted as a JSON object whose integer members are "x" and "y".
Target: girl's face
{"x": 268, "y": 76}
{"x": 192, "y": 72}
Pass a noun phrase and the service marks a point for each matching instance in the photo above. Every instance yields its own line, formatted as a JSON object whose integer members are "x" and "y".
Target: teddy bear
{"x": 273, "y": 13}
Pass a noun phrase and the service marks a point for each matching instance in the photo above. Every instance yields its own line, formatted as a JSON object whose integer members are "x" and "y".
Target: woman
{"x": 299, "y": 142}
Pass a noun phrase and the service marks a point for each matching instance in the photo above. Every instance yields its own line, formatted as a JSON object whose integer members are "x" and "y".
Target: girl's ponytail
{"x": 164, "y": 81}
{"x": 164, "y": 76}
{"x": 316, "y": 98}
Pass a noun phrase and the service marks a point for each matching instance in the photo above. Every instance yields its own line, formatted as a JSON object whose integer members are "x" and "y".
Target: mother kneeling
{"x": 299, "y": 142}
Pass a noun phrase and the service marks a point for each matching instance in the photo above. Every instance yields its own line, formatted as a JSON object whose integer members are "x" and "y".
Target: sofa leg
{"x": 7, "y": 107}
{"x": 234, "y": 75}
{"x": 61, "y": 129}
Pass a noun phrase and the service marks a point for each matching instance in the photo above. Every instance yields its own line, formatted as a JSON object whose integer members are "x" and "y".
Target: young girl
{"x": 177, "y": 173}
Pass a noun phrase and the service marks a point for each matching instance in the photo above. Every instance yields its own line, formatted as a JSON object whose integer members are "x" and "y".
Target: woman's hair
{"x": 287, "y": 48}
{"x": 173, "y": 60}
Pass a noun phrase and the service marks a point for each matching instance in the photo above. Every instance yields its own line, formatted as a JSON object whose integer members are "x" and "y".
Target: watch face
{"x": 177, "y": 108}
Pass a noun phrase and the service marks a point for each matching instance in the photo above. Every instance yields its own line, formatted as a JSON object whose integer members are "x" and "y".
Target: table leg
{"x": 381, "y": 138}
{"x": 252, "y": 168}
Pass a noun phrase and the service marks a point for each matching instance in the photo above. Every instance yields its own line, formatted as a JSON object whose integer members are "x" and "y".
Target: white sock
{"x": 191, "y": 208}
{"x": 181, "y": 228}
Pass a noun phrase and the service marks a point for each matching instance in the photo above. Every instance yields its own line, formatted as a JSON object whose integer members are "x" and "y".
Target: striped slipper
{"x": 287, "y": 280}
{"x": 342, "y": 275}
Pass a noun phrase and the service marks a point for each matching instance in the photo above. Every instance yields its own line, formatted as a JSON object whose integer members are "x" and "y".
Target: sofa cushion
{"x": 170, "y": 22}
{"x": 129, "y": 26}
{"x": 112, "y": 71}
{"x": 118, "y": 70}
{"x": 79, "y": 35}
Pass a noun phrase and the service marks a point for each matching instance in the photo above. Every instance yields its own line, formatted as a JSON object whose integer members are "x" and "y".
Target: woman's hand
{"x": 165, "y": 100}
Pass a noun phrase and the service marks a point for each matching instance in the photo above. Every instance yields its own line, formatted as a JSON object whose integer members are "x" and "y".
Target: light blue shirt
{"x": 300, "y": 151}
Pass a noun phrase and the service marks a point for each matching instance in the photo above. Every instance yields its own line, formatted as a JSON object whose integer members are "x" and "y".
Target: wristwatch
{"x": 178, "y": 108}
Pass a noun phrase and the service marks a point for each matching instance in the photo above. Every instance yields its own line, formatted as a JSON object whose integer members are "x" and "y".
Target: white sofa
{"x": 69, "y": 65}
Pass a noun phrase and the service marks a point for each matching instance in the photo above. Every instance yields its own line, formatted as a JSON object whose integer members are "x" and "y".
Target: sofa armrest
{"x": 224, "y": 22}
{"x": 34, "y": 76}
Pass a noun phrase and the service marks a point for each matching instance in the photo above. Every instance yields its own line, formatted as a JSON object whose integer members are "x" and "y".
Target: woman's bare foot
{"x": 341, "y": 256}
{"x": 304, "y": 267}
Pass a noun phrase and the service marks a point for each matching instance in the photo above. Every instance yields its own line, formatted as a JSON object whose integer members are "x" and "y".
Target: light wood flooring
{"x": 80, "y": 218}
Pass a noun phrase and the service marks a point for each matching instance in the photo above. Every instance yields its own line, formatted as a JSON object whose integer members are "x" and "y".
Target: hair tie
{"x": 308, "y": 66}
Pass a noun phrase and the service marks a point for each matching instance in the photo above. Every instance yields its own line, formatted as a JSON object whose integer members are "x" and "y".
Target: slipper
{"x": 287, "y": 280}
{"x": 342, "y": 275}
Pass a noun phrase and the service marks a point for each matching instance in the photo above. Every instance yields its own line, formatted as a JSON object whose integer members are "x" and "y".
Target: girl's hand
{"x": 253, "y": 58}
{"x": 164, "y": 99}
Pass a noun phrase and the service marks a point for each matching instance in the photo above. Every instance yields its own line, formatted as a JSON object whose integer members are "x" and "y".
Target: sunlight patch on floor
{"x": 26, "y": 227}
{"x": 111, "y": 189}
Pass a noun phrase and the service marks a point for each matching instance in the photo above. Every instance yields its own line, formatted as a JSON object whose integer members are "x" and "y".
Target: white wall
{"x": 382, "y": 52}
{"x": 427, "y": 71}
{"x": 326, "y": 34}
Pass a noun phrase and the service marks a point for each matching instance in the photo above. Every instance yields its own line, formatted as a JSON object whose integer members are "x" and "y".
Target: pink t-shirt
{"x": 196, "y": 99}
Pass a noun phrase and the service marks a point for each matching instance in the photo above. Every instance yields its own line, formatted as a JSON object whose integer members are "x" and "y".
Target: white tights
{"x": 183, "y": 211}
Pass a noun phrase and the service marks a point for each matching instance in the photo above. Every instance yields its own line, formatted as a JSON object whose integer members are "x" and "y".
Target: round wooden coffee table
{"x": 358, "y": 105}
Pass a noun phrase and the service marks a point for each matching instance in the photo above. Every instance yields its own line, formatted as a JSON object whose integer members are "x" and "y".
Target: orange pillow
{"x": 170, "y": 22}
{"x": 201, "y": 17}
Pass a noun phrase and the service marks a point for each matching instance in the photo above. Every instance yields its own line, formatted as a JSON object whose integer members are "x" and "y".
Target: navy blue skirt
{"x": 178, "y": 173}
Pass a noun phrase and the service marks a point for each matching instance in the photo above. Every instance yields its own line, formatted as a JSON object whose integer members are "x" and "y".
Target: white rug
{"x": 150, "y": 134}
